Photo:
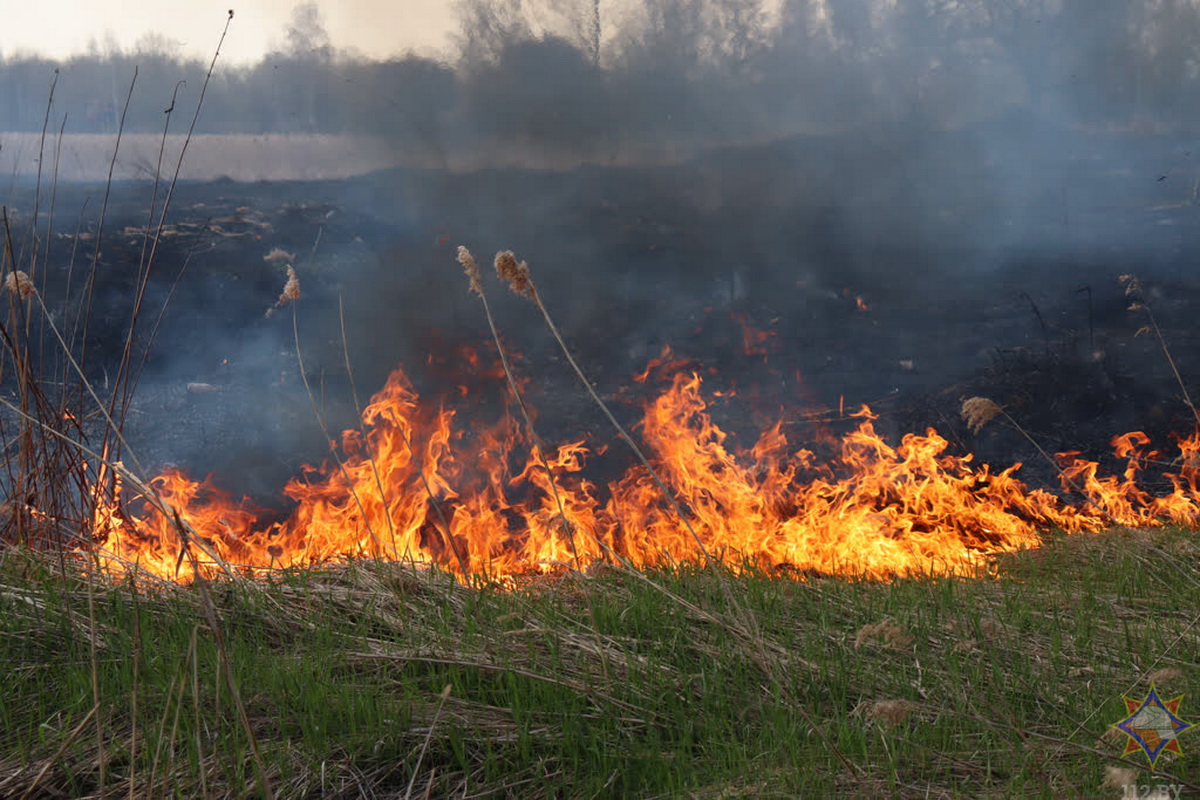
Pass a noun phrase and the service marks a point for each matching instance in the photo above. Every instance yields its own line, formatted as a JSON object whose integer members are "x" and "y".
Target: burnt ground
{"x": 907, "y": 281}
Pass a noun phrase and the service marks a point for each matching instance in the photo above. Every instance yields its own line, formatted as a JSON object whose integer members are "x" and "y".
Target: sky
{"x": 377, "y": 28}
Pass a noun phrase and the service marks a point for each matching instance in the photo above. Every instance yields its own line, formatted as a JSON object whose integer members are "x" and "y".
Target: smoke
{"x": 895, "y": 188}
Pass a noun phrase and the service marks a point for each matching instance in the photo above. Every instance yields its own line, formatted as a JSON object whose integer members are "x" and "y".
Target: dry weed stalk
{"x": 1137, "y": 297}
{"x": 312, "y": 399}
{"x": 35, "y": 413}
{"x": 291, "y": 289}
{"x": 475, "y": 282}
{"x": 412, "y": 781}
{"x": 979, "y": 411}
{"x": 444, "y": 528}
{"x": 471, "y": 269}
{"x": 518, "y": 277}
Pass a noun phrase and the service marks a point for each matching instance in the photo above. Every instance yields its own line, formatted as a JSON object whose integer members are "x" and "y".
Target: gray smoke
{"x": 961, "y": 169}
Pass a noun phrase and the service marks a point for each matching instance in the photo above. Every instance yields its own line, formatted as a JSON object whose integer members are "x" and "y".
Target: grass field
{"x": 377, "y": 680}
{"x": 86, "y": 157}
{"x": 244, "y": 157}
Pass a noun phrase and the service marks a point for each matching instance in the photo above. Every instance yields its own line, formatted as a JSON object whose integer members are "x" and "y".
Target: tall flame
{"x": 408, "y": 486}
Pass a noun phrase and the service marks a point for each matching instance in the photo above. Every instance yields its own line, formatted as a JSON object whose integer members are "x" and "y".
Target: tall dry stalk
{"x": 475, "y": 284}
{"x": 519, "y": 278}
{"x": 1137, "y": 297}
{"x": 977, "y": 412}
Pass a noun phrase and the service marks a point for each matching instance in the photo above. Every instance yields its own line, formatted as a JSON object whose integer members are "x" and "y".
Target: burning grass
{"x": 409, "y": 485}
{"x": 582, "y": 684}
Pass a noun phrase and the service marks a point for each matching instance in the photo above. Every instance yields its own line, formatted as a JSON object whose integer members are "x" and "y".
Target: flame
{"x": 410, "y": 485}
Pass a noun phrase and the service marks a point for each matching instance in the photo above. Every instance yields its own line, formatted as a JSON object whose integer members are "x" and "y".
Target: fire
{"x": 410, "y": 485}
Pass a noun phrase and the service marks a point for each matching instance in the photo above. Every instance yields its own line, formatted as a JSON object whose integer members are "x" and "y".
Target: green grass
{"x": 600, "y": 685}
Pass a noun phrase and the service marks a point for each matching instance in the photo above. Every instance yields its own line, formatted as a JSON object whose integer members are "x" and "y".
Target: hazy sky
{"x": 375, "y": 27}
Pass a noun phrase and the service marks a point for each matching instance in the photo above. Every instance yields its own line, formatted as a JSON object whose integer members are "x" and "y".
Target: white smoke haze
{"x": 944, "y": 163}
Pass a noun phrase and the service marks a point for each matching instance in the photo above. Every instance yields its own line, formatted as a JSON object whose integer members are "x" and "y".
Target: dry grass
{"x": 290, "y": 293}
{"x": 243, "y": 157}
{"x": 292, "y": 156}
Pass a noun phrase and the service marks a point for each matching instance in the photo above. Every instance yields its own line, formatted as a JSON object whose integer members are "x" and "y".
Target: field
{"x": 369, "y": 678}
{"x": 85, "y": 157}
{"x": 88, "y": 156}
{"x": 377, "y": 680}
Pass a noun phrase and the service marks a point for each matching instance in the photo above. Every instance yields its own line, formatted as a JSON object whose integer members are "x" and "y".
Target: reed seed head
{"x": 514, "y": 273}
{"x": 472, "y": 269}
{"x": 291, "y": 289}
{"x": 887, "y": 631}
{"x": 979, "y": 411}
{"x": 279, "y": 256}
{"x": 290, "y": 293}
{"x": 18, "y": 283}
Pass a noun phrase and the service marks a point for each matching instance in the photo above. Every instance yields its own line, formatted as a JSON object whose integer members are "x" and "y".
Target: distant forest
{"x": 556, "y": 75}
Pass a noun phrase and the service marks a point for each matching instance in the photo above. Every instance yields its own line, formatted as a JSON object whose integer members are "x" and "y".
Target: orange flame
{"x": 409, "y": 487}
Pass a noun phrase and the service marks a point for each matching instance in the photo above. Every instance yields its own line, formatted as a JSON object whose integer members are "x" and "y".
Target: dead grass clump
{"x": 886, "y": 712}
{"x": 1119, "y": 777}
{"x": 1164, "y": 675}
{"x": 886, "y": 631}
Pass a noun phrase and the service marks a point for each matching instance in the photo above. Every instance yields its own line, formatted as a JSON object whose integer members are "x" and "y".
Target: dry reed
{"x": 290, "y": 293}
{"x": 19, "y": 284}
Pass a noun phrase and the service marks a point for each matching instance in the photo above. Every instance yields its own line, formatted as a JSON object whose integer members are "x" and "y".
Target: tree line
{"x": 598, "y": 74}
